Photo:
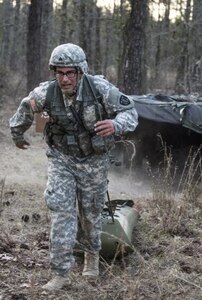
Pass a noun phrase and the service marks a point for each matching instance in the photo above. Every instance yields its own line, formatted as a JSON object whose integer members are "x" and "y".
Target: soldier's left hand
{"x": 104, "y": 128}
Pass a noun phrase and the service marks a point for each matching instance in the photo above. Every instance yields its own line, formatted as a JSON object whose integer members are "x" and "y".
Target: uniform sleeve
{"x": 125, "y": 121}
{"x": 119, "y": 107}
{"x": 24, "y": 116}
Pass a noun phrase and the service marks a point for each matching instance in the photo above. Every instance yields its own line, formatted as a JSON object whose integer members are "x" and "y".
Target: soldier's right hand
{"x": 22, "y": 144}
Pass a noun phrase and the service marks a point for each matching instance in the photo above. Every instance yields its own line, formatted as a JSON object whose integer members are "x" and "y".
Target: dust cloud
{"x": 128, "y": 184}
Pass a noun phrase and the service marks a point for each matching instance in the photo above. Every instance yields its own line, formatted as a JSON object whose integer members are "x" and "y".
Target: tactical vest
{"x": 76, "y": 136}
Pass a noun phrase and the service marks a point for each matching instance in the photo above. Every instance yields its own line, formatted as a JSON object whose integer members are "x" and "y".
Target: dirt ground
{"x": 167, "y": 258}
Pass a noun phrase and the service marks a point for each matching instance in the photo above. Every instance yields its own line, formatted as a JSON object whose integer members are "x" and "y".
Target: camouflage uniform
{"x": 71, "y": 177}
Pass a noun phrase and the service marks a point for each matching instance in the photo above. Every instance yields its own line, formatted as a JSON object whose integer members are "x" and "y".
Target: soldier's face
{"x": 67, "y": 78}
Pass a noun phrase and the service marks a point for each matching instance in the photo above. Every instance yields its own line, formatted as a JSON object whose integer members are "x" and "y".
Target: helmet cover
{"x": 68, "y": 55}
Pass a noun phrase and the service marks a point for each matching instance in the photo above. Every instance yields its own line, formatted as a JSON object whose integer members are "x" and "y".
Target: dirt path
{"x": 165, "y": 264}
{"x": 30, "y": 166}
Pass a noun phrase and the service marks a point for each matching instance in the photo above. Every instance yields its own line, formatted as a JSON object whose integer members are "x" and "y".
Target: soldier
{"x": 85, "y": 112}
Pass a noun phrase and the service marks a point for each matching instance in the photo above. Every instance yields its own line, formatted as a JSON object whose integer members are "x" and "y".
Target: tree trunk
{"x": 34, "y": 44}
{"x": 7, "y": 30}
{"x": 120, "y": 45}
{"x": 197, "y": 46}
{"x": 15, "y": 41}
{"x": 97, "y": 60}
{"x": 39, "y": 30}
{"x": 158, "y": 49}
{"x": 86, "y": 10}
{"x": 82, "y": 25}
{"x": 46, "y": 35}
{"x": 134, "y": 80}
{"x": 166, "y": 28}
{"x": 183, "y": 79}
{"x": 64, "y": 18}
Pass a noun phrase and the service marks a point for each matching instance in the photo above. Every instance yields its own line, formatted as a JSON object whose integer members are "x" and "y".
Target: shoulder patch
{"x": 124, "y": 100}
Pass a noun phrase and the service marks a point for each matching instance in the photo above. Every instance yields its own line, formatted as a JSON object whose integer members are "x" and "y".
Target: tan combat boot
{"x": 91, "y": 264}
{"x": 57, "y": 283}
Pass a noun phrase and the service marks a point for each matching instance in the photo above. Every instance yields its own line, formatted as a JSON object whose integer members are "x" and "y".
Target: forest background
{"x": 142, "y": 46}
{"x": 148, "y": 46}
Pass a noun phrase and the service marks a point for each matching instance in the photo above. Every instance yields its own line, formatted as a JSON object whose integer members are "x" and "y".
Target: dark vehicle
{"x": 174, "y": 123}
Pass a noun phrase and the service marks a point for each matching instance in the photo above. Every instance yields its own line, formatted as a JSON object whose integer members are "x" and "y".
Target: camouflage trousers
{"x": 76, "y": 186}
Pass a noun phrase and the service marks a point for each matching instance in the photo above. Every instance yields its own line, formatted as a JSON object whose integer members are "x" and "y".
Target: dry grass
{"x": 2, "y": 184}
{"x": 166, "y": 263}
{"x": 176, "y": 201}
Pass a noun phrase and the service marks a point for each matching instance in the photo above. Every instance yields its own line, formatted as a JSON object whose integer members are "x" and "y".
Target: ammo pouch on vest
{"x": 102, "y": 144}
{"x": 84, "y": 142}
{"x": 49, "y": 132}
{"x": 89, "y": 143}
{"x": 97, "y": 144}
{"x": 70, "y": 144}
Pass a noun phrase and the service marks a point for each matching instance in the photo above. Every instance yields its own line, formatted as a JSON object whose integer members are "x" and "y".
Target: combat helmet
{"x": 68, "y": 55}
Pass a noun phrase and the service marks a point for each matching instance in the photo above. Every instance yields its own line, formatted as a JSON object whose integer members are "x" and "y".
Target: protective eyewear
{"x": 69, "y": 74}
